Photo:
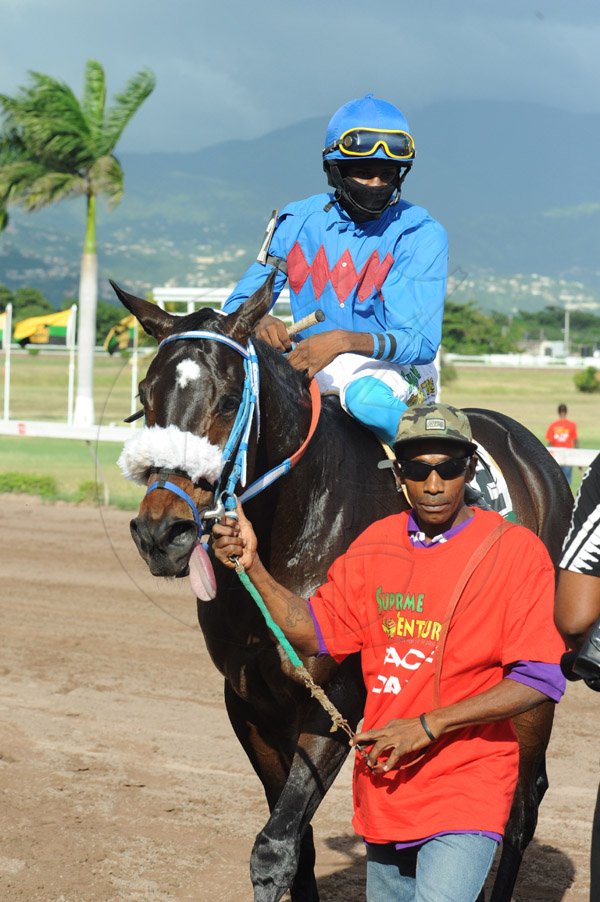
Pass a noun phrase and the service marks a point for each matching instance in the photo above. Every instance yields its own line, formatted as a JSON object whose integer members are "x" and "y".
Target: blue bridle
{"x": 236, "y": 447}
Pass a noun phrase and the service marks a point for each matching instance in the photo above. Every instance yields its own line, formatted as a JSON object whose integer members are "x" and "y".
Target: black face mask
{"x": 362, "y": 202}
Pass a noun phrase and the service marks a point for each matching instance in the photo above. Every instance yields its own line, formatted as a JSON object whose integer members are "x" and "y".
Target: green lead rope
{"x": 276, "y": 630}
{"x": 316, "y": 691}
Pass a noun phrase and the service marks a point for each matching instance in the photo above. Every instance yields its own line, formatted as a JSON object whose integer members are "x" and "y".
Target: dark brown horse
{"x": 303, "y": 521}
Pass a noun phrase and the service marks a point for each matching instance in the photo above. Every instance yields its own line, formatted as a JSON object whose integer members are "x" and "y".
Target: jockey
{"x": 375, "y": 265}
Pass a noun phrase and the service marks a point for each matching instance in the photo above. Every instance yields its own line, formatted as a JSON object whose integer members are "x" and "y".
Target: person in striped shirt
{"x": 577, "y": 605}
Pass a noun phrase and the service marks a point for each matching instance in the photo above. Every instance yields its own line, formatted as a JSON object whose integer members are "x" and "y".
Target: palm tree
{"x": 53, "y": 147}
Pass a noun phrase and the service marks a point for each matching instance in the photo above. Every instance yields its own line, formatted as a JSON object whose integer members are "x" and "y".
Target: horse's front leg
{"x": 533, "y": 730}
{"x": 283, "y": 854}
{"x": 270, "y": 754}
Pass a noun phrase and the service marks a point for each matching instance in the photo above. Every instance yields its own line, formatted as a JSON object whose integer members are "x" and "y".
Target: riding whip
{"x": 317, "y": 316}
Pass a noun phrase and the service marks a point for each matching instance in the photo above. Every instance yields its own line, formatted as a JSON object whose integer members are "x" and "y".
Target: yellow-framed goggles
{"x": 363, "y": 142}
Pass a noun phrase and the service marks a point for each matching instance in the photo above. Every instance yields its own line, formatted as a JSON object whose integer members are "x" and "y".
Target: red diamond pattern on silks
{"x": 297, "y": 267}
{"x": 319, "y": 272}
{"x": 373, "y": 275}
{"x": 343, "y": 276}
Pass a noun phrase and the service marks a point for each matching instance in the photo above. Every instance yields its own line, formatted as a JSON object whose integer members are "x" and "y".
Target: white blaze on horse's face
{"x": 187, "y": 371}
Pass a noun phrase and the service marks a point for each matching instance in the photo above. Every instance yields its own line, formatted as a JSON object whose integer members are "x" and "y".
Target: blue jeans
{"x": 568, "y": 471}
{"x": 450, "y": 868}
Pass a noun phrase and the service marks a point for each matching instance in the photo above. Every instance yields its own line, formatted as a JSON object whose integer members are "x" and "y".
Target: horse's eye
{"x": 228, "y": 405}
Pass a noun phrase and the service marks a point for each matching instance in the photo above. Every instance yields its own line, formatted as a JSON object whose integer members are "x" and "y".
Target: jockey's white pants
{"x": 377, "y": 392}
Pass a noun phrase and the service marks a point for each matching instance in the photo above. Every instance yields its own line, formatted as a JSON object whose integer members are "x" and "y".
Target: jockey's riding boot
{"x": 374, "y": 404}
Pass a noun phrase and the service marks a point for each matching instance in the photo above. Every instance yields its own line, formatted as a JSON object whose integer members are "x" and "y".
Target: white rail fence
{"x": 531, "y": 361}
{"x": 573, "y": 457}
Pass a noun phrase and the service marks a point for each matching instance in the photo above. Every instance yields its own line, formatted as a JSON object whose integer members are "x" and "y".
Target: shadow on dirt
{"x": 545, "y": 875}
{"x": 348, "y": 883}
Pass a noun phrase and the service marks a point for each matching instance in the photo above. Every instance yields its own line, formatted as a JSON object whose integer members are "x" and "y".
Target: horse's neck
{"x": 285, "y": 409}
{"x": 340, "y": 447}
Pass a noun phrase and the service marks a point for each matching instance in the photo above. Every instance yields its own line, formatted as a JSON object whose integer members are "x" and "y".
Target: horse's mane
{"x": 201, "y": 319}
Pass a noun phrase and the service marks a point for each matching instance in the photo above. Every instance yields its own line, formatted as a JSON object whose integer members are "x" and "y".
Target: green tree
{"x": 466, "y": 330}
{"x": 26, "y": 302}
{"x": 108, "y": 316}
{"x": 587, "y": 380}
{"x": 53, "y": 147}
{"x": 6, "y": 297}
{"x": 550, "y": 322}
{"x": 30, "y": 302}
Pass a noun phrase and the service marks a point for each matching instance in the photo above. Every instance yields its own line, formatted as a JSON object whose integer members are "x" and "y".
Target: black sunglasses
{"x": 418, "y": 471}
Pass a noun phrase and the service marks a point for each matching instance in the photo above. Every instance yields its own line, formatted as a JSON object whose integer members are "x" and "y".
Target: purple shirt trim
{"x": 546, "y": 678}
{"x": 419, "y": 842}
{"x": 322, "y": 647}
{"x": 417, "y": 536}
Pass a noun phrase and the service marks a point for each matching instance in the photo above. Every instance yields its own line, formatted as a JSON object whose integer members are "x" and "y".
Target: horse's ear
{"x": 242, "y": 323}
{"x": 154, "y": 321}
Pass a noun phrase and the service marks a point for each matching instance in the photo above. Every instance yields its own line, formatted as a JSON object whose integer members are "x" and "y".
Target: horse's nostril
{"x": 140, "y": 534}
{"x": 182, "y": 534}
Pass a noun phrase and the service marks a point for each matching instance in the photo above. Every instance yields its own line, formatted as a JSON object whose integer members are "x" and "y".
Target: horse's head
{"x": 191, "y": 396}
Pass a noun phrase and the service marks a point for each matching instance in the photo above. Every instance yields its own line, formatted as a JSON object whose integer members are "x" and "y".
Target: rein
{"x": 285, "y": 466}
{"x": 316, "y": 691}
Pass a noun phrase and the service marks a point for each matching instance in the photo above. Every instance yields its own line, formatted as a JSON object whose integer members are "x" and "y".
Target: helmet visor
{"x": 362, "y": 142}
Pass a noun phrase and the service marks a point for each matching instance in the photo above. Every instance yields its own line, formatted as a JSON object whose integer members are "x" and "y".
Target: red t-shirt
{"x": 562, "y": 434}
{"x": 387, "y": 599}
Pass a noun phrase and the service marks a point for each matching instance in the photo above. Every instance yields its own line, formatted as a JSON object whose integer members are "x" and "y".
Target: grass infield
{"x": 82, "y": 471}
{"x": 39, "y": 385}
{"x": 530, "y": 396}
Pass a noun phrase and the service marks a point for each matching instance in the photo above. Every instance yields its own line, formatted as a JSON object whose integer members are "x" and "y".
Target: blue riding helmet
{"x": 369, "y": 128}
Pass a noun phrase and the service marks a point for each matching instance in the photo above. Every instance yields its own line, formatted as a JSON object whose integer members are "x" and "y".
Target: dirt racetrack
{"x": 119, "y": 773}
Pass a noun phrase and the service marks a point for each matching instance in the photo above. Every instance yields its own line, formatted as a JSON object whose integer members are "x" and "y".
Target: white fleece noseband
{"x": 156, "y": 447}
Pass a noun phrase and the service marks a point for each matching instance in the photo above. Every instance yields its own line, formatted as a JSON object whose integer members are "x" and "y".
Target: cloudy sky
{"x": 244, "y": 68}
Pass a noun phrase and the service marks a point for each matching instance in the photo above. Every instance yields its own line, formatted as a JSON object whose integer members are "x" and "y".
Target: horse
{"x": 194, "y": 388}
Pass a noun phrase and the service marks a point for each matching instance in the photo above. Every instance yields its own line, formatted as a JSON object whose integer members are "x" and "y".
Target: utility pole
{"x": 566, "y": 340}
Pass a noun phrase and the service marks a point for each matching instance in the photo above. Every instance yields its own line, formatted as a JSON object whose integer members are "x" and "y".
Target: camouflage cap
{"x": 434, "y": 421}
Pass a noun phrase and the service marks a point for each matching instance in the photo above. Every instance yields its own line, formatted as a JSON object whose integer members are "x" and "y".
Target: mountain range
{"x": 516, "y": 186}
